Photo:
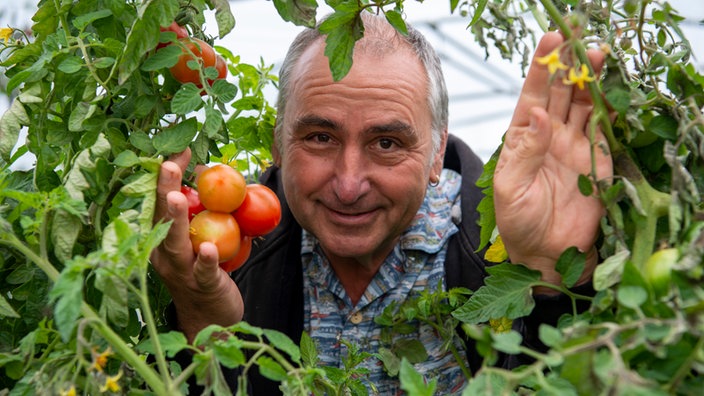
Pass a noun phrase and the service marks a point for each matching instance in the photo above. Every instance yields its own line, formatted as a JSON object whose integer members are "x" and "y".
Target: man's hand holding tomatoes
{"x": 202, "y": 293}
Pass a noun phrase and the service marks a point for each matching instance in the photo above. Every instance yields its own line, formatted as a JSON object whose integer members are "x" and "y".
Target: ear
{"x": 436, "y": 168}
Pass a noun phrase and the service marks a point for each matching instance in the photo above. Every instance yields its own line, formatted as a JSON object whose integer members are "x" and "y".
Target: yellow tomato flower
{"x": 552, "y": 60}
{"x": 575, "y": 78}
{"x": 497, "y": 251}
{"x": 501, "y": 325}
{"x": 100, "y": 359}
{"x": 6, "y": 33}
{"x": 111, "y": 384}
{"x": 69, "y": 392}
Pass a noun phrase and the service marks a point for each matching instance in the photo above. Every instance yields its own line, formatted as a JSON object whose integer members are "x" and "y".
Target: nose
{"x": 351, "y": 181}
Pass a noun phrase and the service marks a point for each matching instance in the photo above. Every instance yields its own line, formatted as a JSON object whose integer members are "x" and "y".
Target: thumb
{"x": 206, "y": 270}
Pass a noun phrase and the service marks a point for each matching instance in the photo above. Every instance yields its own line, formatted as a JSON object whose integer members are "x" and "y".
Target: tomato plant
{"x": 175, "y": 28}
{"x": 194, "y": 204}
{"x": 242, "y": 255}
{"x": 657, "y": 270}
{"x": 218, "y": 228}
{"x": 260, "y": 212}
{"x": 221, "y": 188}
{"x": 193, "y": 50}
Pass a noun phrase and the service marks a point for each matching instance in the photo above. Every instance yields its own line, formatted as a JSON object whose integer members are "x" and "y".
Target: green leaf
{"x": 396, "y": 20}
{"x": 300, "y": 12}
{"x": 619, "y": 99}
{"x": 68, "y": 294}
{"x": 269, "y": 368}
{"x": 65, "y": 228}
{"x": 481, "y": 5}
{"x": 6, "y": 309}
{"x": 229, "y": 352}
{"x": 609, "y": 272}
{"x": 392, "y": 363}
{"x": 10, "y": 124}
{"x": 507, "y": 293}
{"x": 585, "y": 185}
{"x": 508, "y": 342}
{"x": 549, "y": 335}
{"x": 171, "y": 343}
{"x": 282, "y": 342}
{"x": 410, "y": 349}
{"x": 343, "y": 28}
{"x": 309, "y": 351}
{"x": 223, "y": 16}
{"x": 81, "y": 21}
{"x": 71, "y": 65}
{"x": 80, "y": 113}
{"x": 413, "y": 382}
{"x": 487, "y": 383}
{"x": 631, "y": 296}
{"x": 177, "y": 138}
{"x": 664, "y": 126}
{"x": 164, "y": 58}
{"x": 570, "y": 265}
{"x": 186, "y": 99}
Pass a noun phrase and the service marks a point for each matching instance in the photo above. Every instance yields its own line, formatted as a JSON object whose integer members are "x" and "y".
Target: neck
{"x": 355, "y": 276}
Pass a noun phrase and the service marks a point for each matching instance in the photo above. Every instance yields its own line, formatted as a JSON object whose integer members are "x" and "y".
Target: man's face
{"x": 356, "y": 154}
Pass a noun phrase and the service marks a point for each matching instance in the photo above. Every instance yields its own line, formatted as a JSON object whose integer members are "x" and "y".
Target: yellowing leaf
{"x": 497, "y": 251}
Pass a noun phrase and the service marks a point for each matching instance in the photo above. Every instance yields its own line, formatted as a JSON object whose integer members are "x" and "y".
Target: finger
{"x": 177, "y": 243}
{"x": 206, "y": 270}
{"x": 181, "y": 159}
{"x": 582, "y": 100}
{"x": 536, "y": 87}
{"x": 169, "y": 180}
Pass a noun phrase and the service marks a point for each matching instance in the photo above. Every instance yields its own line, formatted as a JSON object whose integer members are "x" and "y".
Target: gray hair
{"x": 385, "y": 38}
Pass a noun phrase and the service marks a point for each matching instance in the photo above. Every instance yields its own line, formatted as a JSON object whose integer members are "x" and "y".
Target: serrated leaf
{"x": 68, "y": 294}
{"x": 609, "y": 272}
{"x": 177, "y": 138}
{"x": 282, "y": 342}
{"x": 229, "y": 352}
{"x": 164, "y": 58}
{"x": 300, "y": 12}
{"x": 570, "y": 265}
{"x": 10, "y": 124}
{"x": 269, "y": 368}
{"x": 309, "y": 351}
{"x": 343, "y": 28}
{"x": 223, "y": 16}
{"x": 413, "y": 382}
{"x": 507, "y": 342}
{"x": 396, "y": 20}
{"x": 6, "y": 310}
{"x": 506, "y": 292}
{"x": 481, "y": 5}
{"x": 65, "y": 228}
{"x": 186, "y": 99}
{"x": 171, "y": 343}
{"x": 81, "y": 21}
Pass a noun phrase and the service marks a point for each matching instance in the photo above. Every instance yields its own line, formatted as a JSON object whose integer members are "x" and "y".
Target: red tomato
{"x": 260, "y": 211}
{"x": 241, "y": 256}
{"x": 180, "y": 31}
{"x": 221, "y": 67}
{"x": 218, "y": 228}
{"x": 221, "y": 188}
{"x": 202, "y": 52}
{"x": 194, "y": 204}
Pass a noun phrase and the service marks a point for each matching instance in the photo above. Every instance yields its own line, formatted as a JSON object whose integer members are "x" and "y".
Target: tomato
{"x": 201, "y": 52}
{"x": 194, "y": 204}
{"x": 180, "y": 31}
{"x": 221, "y": 188}
{"x": 241, "y": 256}
{"x": 221, "y": 67}
{"x": 658, "y": 270}
{"x": 218, "y": 228}
{"x": 260, "y": 211}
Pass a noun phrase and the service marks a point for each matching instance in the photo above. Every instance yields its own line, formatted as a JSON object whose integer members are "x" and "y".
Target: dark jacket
{"x": 271, "y": 282}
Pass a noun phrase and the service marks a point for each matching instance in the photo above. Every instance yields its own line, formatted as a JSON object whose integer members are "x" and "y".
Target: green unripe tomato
{"x": 658, "y": 270}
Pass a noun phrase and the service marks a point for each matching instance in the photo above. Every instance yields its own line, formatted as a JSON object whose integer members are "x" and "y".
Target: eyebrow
{"x": 322, "y": 122}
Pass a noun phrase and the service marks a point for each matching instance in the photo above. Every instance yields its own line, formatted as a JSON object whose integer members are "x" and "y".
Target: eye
{"x": 386, "y": 143}
{"x": 319, "y": 138}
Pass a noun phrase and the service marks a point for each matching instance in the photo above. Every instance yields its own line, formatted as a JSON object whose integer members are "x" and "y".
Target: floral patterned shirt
{"x": 415, "y": 264}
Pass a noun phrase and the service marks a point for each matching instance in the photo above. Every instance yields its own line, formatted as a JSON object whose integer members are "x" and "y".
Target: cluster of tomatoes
{"x": 225, "y": 210}
{"x": 193, "y": 49}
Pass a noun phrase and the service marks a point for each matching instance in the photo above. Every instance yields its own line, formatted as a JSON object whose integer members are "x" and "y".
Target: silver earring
{"x": 434, "y": 181}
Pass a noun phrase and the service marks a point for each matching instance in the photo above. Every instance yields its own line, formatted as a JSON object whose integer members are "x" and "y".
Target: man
{"x": 379, "y": 202}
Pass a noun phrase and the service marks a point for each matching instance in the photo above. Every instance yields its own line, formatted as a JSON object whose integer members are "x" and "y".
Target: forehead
{"x": 382, "y": 75}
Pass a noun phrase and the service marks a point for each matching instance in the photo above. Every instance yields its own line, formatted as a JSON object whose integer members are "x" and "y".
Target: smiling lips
{"x": 348, "y": 217}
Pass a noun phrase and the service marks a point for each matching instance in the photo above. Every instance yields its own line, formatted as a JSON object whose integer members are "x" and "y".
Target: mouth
{"x": 351, "y": 218}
